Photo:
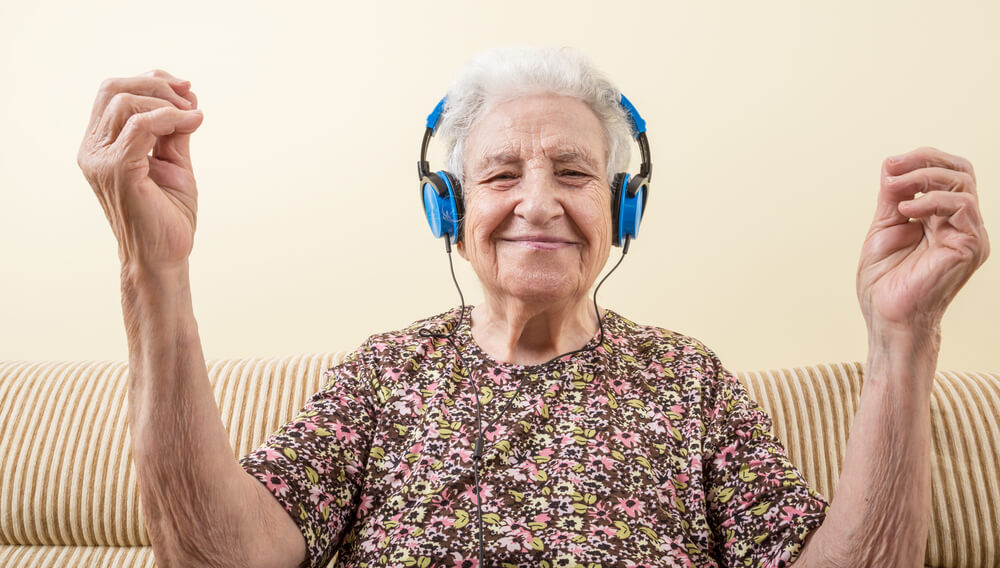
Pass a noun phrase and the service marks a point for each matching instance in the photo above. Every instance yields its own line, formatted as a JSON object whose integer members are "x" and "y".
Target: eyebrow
{"x": 568, "y": 156}
{"x": 500, "y": 159}
{"x": 562, "y": 156}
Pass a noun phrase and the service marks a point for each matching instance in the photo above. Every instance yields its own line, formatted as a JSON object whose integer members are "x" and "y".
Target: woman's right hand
{"x": 137, "y": 158}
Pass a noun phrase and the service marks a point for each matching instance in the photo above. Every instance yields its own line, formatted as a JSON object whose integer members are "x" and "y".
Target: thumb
{"x": 142, "y": 131}
{"x": 176, "y": 147}
{"x": 887, "y": 212}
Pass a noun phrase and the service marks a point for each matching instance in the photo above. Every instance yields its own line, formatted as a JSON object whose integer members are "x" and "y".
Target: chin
{"x": 542, "y": 287}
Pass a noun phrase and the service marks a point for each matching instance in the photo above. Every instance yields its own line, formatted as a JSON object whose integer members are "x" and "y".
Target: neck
{"x": 529, "y": 334}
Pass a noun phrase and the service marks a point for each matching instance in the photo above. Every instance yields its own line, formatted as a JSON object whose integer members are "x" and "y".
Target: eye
{"x": 574, "y": 177}
{"x": 502, "y": 178}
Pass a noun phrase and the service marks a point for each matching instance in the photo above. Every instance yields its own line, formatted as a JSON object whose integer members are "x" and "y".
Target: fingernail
{"x": 890, "y": 179}
{"x": 895, "y": 159}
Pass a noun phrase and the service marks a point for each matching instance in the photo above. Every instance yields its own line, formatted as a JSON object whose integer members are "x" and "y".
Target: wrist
{"x": 904, "y": 322}
{"x": 156, "y": 304}
{"x": 903, "y": 356}
{"x": 137, "y": 273}
{"x": 154, "y": 289}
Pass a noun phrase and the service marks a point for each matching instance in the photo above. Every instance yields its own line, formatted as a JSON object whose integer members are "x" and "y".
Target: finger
{"x": 141, "y": 131}
{"x": 189, "y": 95}
{"x": 927, "y": 157}
{"x": 176, "y": 83}
{"x": 146, "y": 86}
{"x": 180, "y": 86}
{"x": 960, "y": 209}
{"x": 161, "y": 74}
{"x": 176, "y": 148}
{"x": 887, "y": 206}
{"x": 895, "y": 189}
{"x": 118, "y": 111}
{"x": 930, "y": 179}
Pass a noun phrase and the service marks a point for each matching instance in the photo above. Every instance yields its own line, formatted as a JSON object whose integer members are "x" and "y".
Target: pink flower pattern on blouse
{"x": 641, "y": 452}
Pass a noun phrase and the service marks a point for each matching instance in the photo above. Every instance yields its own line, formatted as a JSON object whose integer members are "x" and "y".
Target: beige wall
{"x": 768, "y": 122}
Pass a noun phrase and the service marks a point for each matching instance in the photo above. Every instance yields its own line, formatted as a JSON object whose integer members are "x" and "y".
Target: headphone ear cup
{"x": 458, "y": 198}
{"x": 638, "y": 189}
{"x": 631, "y": 202}
{"x": 617, "y": 191}
{"x": 442, "y": 204}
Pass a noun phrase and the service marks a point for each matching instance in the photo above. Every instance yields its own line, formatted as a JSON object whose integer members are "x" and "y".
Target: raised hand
{"x": 926, "y": 240}
{"x": 136, "y": 157}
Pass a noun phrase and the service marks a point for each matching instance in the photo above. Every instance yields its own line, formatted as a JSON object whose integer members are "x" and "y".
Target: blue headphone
{"x": 441, "y": 192}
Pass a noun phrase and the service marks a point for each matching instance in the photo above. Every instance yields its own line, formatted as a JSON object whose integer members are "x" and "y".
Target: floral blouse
{"x": 643, "y": 451}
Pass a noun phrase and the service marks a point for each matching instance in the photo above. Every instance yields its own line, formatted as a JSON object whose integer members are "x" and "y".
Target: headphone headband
{"x": 638, "y": 124}
{"x": 435, "y": 115}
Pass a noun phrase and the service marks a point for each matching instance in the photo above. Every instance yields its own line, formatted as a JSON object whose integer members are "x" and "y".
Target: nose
{"x": 538, "y": 198}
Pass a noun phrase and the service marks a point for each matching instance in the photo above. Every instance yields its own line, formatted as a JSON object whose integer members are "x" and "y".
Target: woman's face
{"x": 538, "y": 203}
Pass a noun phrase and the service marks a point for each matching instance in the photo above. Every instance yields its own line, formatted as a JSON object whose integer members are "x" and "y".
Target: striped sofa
{"x": 68, "y": 492}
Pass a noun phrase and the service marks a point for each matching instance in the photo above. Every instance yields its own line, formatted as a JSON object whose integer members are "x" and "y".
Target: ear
{"x": 460, "y": 247}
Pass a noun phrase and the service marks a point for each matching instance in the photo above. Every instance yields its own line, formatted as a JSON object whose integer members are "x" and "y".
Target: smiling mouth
{"x": 540, "y": 242}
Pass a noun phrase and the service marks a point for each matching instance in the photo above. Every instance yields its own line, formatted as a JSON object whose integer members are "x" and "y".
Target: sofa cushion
{"x": 67, "y": 478}
{"x": 813, "y": 408}
{"x": 76, "y": 556}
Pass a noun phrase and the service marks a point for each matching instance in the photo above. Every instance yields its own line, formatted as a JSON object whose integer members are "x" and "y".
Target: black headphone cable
{"x": 449, "y": 337}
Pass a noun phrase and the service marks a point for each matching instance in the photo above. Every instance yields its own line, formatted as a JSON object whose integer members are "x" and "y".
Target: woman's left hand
{"x": 921, "y": 249}
{"x": 926, "y": 240}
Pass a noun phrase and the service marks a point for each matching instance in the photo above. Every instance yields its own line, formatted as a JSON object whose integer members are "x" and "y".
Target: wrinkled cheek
{"x": 479, "y": 252}
{"x": 603, "y": 240}
{"x": 600, "y": 252}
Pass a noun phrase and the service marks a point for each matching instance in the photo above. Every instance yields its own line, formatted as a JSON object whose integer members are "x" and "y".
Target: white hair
{"x": 501, "y": 74}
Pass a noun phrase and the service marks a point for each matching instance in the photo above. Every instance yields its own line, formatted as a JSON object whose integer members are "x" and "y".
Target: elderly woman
{"x": 534, "y": 429}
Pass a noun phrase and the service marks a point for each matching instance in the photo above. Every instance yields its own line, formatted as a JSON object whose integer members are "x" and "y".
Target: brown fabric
{"x": 640, "y": 451}
{"x": 812, "y": 409}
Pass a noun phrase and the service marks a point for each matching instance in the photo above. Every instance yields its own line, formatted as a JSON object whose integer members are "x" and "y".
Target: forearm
{"x": 881, "y": 512}
{"x": 189, "y": 480}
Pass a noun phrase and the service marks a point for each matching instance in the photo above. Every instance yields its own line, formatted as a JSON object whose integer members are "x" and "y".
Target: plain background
{"x": 768, "y": 123}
